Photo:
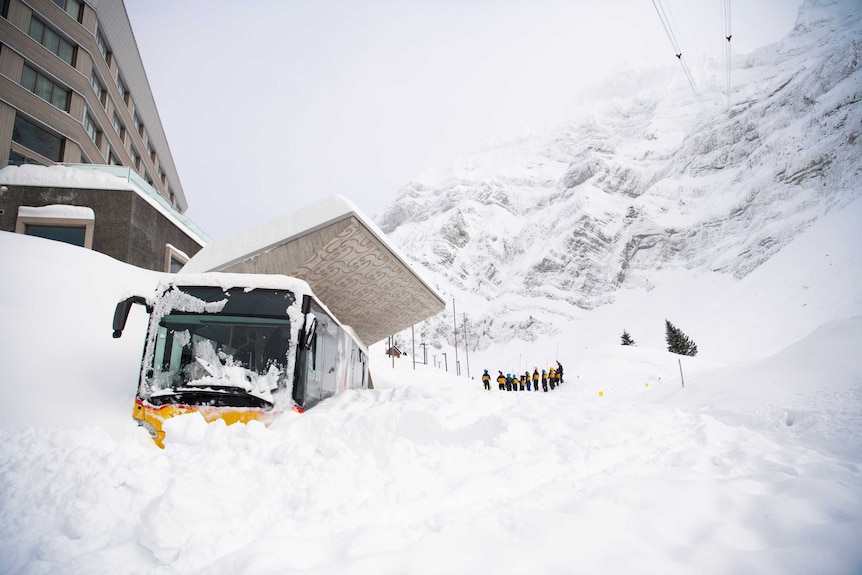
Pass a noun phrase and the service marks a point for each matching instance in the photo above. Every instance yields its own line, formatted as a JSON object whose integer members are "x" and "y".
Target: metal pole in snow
{"x": 680, "y": 372}
{"x": 455, "y": 332}
{"x": 466, "y": 347}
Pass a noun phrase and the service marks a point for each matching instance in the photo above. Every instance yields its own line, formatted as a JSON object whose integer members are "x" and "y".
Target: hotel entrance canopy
{"x": 344, "y": 257}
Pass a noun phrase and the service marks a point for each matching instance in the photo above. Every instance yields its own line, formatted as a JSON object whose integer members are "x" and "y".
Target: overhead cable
{"x": 728, "y": 34}
{"x": 666, "y": 22}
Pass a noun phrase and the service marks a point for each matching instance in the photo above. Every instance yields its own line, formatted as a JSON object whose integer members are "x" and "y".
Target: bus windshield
{"x": 218, "y": 347}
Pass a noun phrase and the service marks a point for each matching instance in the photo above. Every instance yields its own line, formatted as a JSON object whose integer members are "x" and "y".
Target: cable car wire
{"x": 728, "y": 34}
{"x": 666, "y": 22}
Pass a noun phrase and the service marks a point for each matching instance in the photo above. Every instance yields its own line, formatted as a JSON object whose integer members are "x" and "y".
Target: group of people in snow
{"x": 550, "y": 378}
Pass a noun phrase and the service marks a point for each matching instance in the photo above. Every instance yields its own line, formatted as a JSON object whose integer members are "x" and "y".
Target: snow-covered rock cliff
{"x": 648, "y": 177}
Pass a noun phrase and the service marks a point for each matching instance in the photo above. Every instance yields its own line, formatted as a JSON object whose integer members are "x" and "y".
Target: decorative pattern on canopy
{"x": 349, "y": 265}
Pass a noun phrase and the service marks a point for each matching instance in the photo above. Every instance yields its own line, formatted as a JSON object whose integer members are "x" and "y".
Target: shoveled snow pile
{"x": 755, "y": 466}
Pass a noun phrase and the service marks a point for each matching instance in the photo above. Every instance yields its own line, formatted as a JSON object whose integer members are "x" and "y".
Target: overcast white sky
{"x": 269, "y": 105}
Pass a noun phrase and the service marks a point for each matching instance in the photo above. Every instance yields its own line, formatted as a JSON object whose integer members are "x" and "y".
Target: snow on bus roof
{"x": 247, "y": 281}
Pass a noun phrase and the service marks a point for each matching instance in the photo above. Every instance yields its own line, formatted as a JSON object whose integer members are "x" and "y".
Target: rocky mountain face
{"x": 651, "y": 178}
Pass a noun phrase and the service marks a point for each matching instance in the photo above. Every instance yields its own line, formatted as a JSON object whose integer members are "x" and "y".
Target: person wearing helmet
{"x": 544, "y": 381}
{"x": 501, "y": 380}
{"x": 508, "y": 382}
{"x": 552, "y": 377}
{"x": 486, "y": 380}
{"x": 527, "y": 378}
{"x": 536, "y": 378}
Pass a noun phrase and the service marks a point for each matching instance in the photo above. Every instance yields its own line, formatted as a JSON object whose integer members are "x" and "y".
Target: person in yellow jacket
{"x": 552, "y": 377}
{"x": 501, "y": 379}
{"x": 536, "y": 378}
{"x": 486, "y": 380}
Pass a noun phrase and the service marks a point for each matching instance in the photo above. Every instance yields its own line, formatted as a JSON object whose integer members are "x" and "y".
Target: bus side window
{"x": 312, "y": 353}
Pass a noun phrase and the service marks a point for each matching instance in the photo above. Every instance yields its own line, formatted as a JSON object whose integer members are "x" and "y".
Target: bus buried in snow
{"x": 239, "y": 347}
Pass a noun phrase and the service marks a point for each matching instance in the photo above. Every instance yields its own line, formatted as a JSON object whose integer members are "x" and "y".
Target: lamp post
{"x": 446, "y": 360}
{"x": 424, "y": 353}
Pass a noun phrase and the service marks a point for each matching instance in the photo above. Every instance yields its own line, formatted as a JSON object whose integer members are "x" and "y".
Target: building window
{"x": 136, "y": 159}
{"x": 138, "y": 125}
{"x": 71, "y": 7}
{"x": 162, "y": 177}
{"x": 151, "y": 152}
{"x": 103, "y": 47}
{"x": 68, "y": 234}
{"x": 112, "y": 159}
{"x": 91, "y": 128}
{"x": 175, "y": 259}
{"x": 119, "y": 128}
{"x": 45, "y": 88}
{"x": 52, "y": 41}
{"x": 70, "y": 224}
{"x": 16, "y": 159}
{"x": 35, "y": 138}
{"x": 121, "y": 86}
{"x": 98, "y": 89}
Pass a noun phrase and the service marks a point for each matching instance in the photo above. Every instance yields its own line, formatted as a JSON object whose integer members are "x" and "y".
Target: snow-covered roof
{"x": 98, "y": 177}
{"x": 247, "y": 281}
{"x": 348, "y": 261}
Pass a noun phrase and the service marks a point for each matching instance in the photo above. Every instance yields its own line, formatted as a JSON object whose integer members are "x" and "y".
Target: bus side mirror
{"x": 121, "y": 314}
{"x": 310, "y": 332}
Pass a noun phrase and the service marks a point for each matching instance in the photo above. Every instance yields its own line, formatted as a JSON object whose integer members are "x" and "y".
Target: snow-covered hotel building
{"x": 73, "y": 92}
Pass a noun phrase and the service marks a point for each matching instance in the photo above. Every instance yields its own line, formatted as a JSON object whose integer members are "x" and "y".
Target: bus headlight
{"x": 151, "y": 429}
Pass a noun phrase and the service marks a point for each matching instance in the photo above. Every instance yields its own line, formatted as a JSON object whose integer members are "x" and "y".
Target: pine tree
{"x": 677, "y": 341}
{"x": 627, "y": 339}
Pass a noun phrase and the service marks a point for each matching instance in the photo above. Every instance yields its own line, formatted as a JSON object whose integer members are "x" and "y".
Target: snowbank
{"x": 752, "y": 468}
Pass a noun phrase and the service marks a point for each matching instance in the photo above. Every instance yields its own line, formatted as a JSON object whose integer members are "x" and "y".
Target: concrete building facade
{"x": 73, "y": 91}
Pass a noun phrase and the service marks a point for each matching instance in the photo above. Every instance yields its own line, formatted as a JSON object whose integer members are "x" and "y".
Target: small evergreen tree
{"x": 627, "y": 339}
{"x": 677, "y": 341}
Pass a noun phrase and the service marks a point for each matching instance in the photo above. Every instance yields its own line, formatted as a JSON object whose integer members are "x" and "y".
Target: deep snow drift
{"x": 754, "y": 467}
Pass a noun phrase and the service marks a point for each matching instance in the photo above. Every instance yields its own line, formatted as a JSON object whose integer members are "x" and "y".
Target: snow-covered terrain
{"x": 740, "y": 227}
{"x": 753, "y": 467}
{"x": 650, "y": 179}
